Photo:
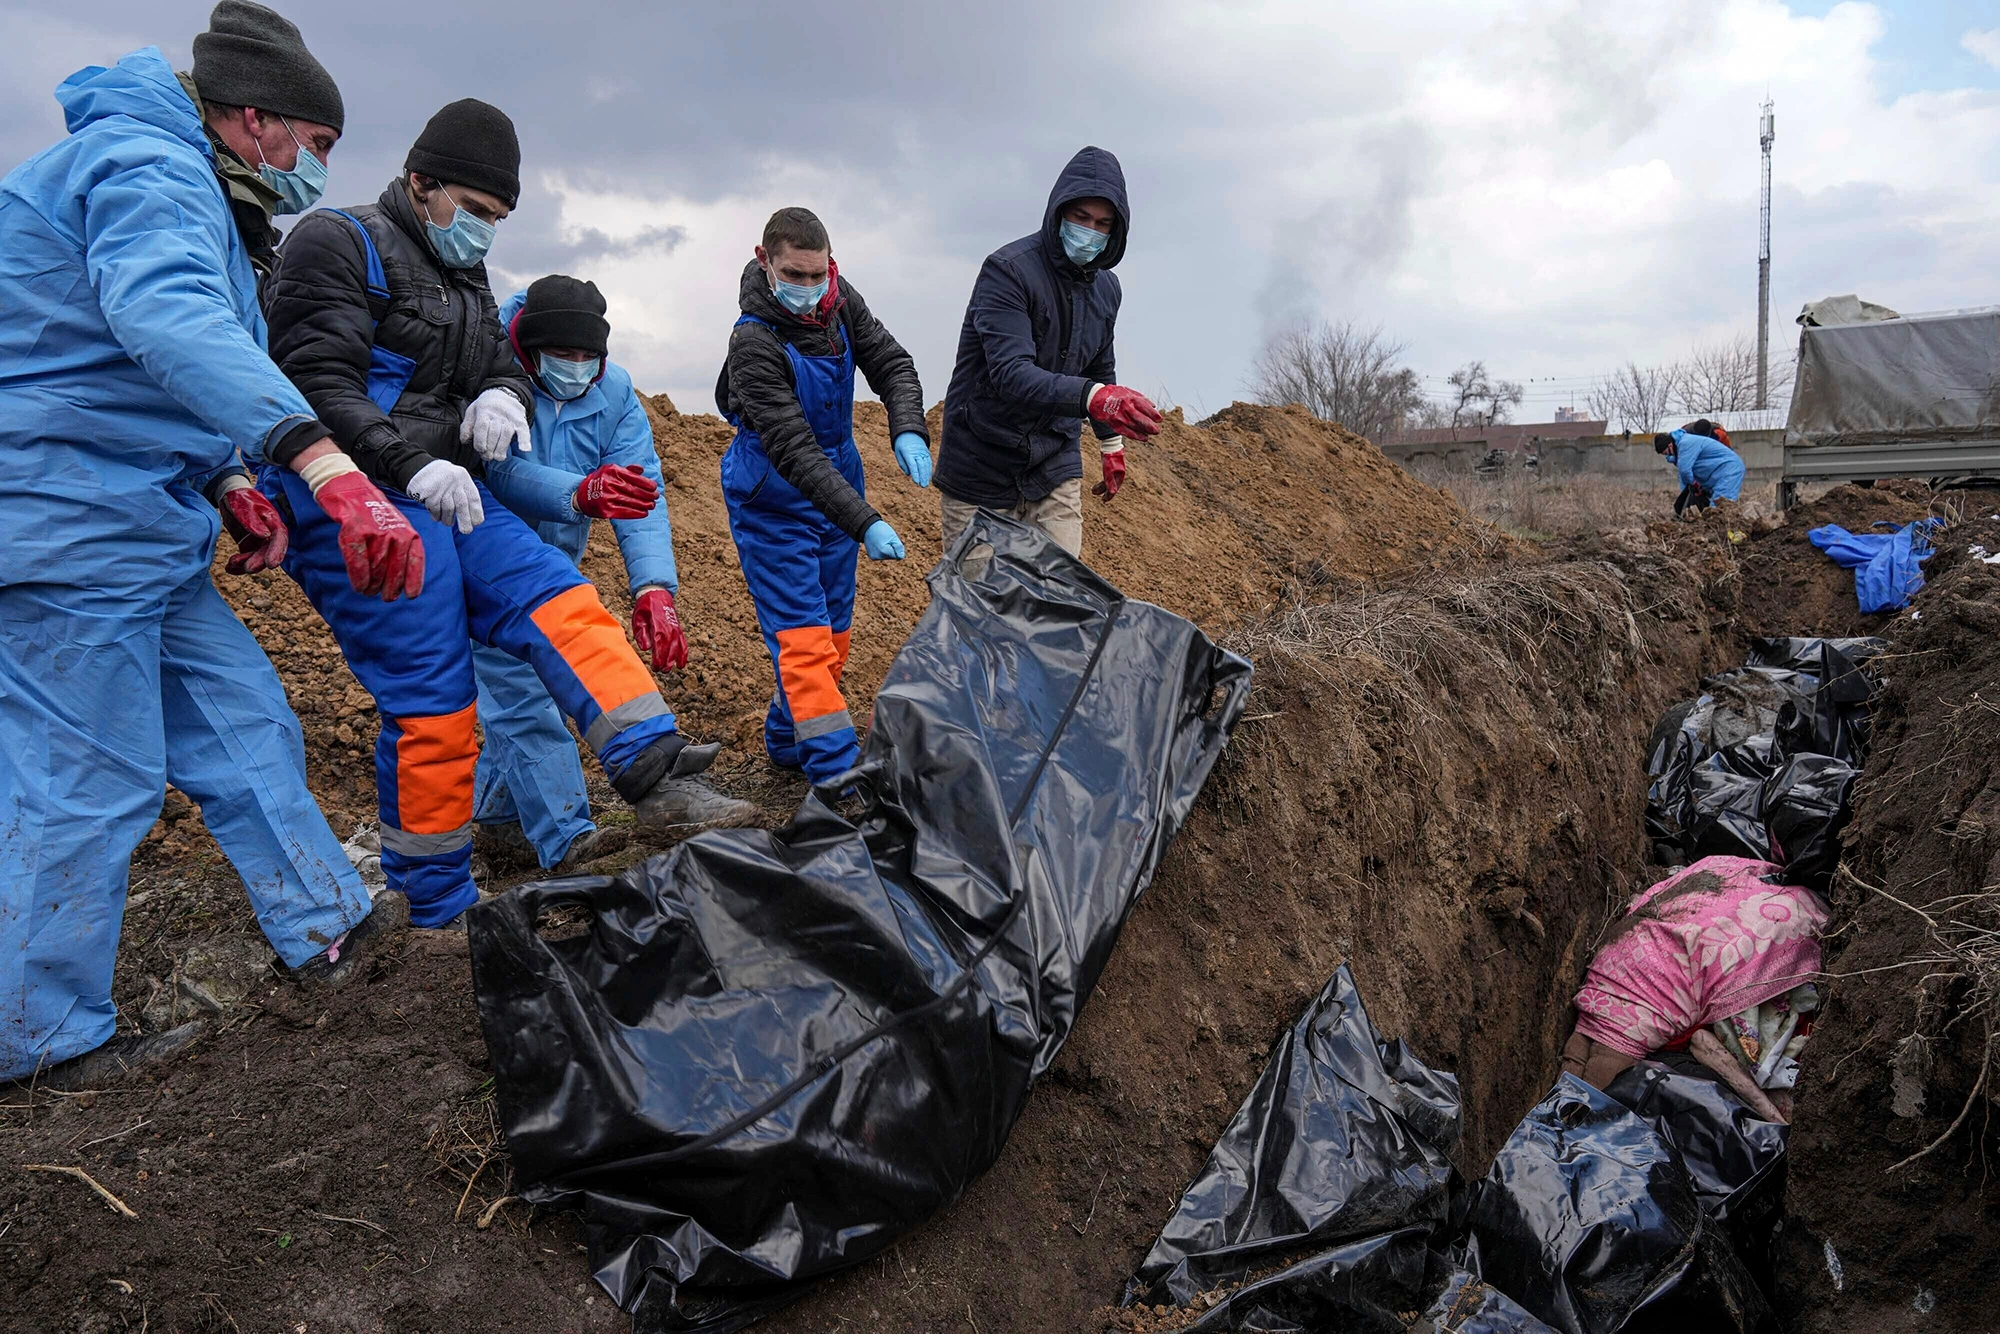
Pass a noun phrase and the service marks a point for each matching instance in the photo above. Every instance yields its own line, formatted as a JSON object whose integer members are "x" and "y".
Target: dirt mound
{"x": 1787, "y": 581}
{"x": 1901, "y": 1062}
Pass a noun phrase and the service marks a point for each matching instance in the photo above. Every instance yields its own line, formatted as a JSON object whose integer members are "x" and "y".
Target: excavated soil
{"x": 1438, "y": 780}
{"x": 1898, "y": 1061}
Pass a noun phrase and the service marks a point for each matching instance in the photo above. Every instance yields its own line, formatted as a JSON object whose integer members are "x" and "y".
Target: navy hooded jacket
{"x": 1037, "y": 335}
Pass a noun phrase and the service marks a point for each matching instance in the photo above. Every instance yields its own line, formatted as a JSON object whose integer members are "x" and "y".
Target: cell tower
{"x": 1766, "y": 131}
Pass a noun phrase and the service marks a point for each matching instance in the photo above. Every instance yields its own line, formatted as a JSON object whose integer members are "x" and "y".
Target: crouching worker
{"x": 132, "y": 375}
{"x": 382, "y": 315}
{"x": 591, "y": 458}
{"x": 1709, "y": 469}
{"x": 792, "y": 477}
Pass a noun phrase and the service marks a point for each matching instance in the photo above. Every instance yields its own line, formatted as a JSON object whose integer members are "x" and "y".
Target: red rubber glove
{"x": 1114, "y": 474}
{"x": 258, "y": 528}
{"x": 384, "y": 555}
{"x": 656, "y": 627}
{"x": 1126, "y": 411}
{"x": 617, "y": 492}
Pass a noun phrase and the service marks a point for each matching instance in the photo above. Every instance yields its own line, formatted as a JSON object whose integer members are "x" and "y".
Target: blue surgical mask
{"x": 462, "y": 244}
{"x": 300, "y": 188}
{"x": 567, "y": 379}
{"x": 797, "y": 297}
{"x": 1082, "y": 244}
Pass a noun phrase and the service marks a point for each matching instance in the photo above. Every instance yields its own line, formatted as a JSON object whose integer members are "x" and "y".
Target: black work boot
{"x": 690, "y": 801}
{"x": 116, "y": 1059}
{"x": 342, "y": 959}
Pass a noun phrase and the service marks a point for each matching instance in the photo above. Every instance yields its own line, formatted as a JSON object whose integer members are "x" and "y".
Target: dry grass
{"x": 1525, "y": 505}
{"x": 1423, "y": 642}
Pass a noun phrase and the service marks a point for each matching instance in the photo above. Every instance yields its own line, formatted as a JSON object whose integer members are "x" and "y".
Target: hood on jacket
{"x": 754, "y": 297}
{"x": 1092, "y": 173}
{"x": 141, "y": 86}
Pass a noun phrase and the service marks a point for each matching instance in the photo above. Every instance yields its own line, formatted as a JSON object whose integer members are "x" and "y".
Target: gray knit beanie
{"x": 252, "y": 57}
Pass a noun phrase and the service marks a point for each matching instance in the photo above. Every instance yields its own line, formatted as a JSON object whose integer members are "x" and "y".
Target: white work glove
{"x": 493, "y": 421}
{"x": 446, "y": 490}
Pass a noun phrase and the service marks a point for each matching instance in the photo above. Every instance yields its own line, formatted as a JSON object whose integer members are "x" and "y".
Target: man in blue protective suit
{"x": 1036, "y": 358}
{"x": 382, "y": 314}
{"x": 792, "y": 478}
{"x": 132, "y": 375}
{"x": 1709, "y": 469}
{"x": 591, "y": 458}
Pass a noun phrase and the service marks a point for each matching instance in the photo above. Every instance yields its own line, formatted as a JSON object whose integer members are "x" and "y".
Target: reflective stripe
{"x": 425, "y": 845}
{"x": 823, "y": 725}
{"x": 610, "y": 723}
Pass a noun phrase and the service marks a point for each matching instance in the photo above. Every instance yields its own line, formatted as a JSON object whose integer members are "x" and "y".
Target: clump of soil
{"x": 1897, "y": 1060}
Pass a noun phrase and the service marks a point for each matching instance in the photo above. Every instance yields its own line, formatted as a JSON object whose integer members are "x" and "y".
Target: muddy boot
{"x": 588, "y": 847}
{"x": 342, "y": 960}
{"x": 117, "y": 1058}
{"x": 676, "y": 802}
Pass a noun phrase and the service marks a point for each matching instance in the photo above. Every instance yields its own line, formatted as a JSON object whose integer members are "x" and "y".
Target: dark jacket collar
{"x": 754, "y": 297}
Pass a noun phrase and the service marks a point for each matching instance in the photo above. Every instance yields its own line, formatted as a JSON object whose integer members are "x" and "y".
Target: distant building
{"x": 1569, "y": 415}
{"x": 1512, "y": 436}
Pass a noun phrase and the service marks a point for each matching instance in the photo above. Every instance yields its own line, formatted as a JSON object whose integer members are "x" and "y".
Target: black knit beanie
{"x": 470, "y": 143}
{"x": 563, "y": 312}
{"x": 252, "y": 57}
{"x": 1662, "y": 443}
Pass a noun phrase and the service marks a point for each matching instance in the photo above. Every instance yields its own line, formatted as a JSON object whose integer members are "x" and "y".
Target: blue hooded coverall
{"x": 132, "y": 370}
{"x": 1717, "y": 467}
{"x": 529, "y": 769}
{"x": 800, "y": 568}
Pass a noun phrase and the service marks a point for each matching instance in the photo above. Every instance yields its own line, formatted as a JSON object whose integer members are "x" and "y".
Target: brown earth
{"x": 1901, "y": 1059}
{"x": 1438, "y": 780}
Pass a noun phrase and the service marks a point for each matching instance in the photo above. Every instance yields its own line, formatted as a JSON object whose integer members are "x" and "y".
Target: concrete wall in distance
{"x": 1630, "y": 462}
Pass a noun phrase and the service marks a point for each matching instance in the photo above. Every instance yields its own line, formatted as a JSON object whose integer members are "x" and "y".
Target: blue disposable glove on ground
{"x": 881, "y": 541}
{"x": 913, "y": 456}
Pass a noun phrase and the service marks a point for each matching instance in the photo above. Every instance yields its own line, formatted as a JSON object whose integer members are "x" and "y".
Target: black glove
{"x": 1682, "y": 500}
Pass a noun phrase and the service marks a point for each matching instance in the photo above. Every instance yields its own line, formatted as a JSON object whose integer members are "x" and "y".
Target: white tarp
{"x": 1914, "y": 378}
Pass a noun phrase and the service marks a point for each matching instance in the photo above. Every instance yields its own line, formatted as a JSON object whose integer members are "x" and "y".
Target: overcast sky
{"x": 1553, "y": 187}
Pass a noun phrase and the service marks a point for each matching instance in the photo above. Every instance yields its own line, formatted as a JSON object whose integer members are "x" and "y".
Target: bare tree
{"x": 1340, "y": 372}
{"x": 1637, "y": 398}
{"x": 1474, "y": 398}
{"x": 1722, "y": 377}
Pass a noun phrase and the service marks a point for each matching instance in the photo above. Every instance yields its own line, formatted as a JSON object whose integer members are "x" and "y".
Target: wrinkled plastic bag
{"x": 1804, "y": 806}
{"x": 1468, "y": 1305}
{"x": 1590, "y": 1221}
{"x": 1806, "y": 654}
{"x": 1734, "y": 1158}
{"x": 1730, "y": 729}
{"x": 1888, "y": 567}
{"x": 1344, "y": 1135}
{"x": 772, "y": 1053}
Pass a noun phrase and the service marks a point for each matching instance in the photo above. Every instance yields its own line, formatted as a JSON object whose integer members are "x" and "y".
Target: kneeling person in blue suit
{"x": 1709, "y": 469}
{"x": 592, "y": 458}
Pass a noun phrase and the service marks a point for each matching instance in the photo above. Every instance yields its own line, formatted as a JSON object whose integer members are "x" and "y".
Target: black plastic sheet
{"x": 1363, "y": 1287}
{"x": 771, "y": 1054}
{"x": 1734, "y": 1158}
{"x": 1805, "y": 805}
{"x": 1344, "y": 1135}
{"x": 1590, "y": 1221}
{"x": 1721, "y": 767}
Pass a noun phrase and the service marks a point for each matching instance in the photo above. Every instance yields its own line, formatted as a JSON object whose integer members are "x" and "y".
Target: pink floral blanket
{"x": 1712, "y": 939}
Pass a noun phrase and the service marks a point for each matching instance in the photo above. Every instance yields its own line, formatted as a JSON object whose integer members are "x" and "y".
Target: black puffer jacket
{"x": 444, "y": 320}
{"x": 1037, "y": 335}
{"x": 756, "y": 385}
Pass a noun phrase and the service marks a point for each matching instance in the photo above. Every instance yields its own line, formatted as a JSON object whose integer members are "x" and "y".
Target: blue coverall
{"x": 1717, "y": 467}
{"x": 529, "y": 769}
{"x": 132, "y": 370}
{"x": 800, "y": 568}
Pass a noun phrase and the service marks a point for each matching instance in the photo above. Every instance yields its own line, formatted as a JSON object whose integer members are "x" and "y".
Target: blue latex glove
{"x": 881, "y": 541}
{"x": 913, "y": 456}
